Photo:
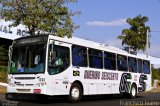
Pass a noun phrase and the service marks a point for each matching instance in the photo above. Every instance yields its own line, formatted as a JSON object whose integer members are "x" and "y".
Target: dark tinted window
{"x": 132, "y": 64}
{"x": 79, "y": 56}
{"x": 146, "y": 67}
{"x": 140, "y": 68}
{"x": 109, "y": 61}
{"x": 122, "y": 63}
{"x": 95, "y": 58}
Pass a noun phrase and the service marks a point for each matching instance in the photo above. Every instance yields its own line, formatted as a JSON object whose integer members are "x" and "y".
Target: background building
{"x": 7, "y": 34}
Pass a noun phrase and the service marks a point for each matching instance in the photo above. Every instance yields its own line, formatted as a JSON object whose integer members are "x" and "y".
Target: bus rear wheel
{"x": 75, "y": 94}
{"x": 133, "y": 92}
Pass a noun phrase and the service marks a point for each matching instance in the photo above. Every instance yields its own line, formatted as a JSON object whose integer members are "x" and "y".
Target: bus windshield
{"x": 28, "y": 59}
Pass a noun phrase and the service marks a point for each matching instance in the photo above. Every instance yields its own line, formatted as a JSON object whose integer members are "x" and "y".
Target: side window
{"x": 122, "y": 63}
{"x": 95, "y": 58}
{"x": 79, "y": 56}
{"x": 132, "y": 64}
{"x": 140, "y": 68}
{"x": 146, "y": 67}
{"x": 109, "y": 61}
{"x": 58, "y": 59}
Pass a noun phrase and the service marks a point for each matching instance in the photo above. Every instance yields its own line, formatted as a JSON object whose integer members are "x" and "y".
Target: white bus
{"x": 50, "y": 66}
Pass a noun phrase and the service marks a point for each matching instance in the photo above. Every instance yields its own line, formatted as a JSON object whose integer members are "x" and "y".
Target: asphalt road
{"x": 107, "y": 100}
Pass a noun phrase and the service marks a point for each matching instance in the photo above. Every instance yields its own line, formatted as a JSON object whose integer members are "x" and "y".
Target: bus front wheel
{"x": 75, "y": 94}
{"x": 133, "y": 92}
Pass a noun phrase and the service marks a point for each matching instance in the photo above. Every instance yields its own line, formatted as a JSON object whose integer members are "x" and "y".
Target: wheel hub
{"x": 75, "y": 93}
{"x": 133, "y": 91}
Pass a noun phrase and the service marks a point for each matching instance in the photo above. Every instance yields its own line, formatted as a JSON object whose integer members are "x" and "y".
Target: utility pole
{"x": 147, "y": 45}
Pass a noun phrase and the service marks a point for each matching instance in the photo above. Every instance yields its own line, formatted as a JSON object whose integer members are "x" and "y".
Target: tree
{"x": 40, "y": 15}
{"x": 3, "y": 54}
{"x": 136, "y": 36}
{"x": 155, "y": 74}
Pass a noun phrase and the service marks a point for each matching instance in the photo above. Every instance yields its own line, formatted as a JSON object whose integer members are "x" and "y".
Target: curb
{"x": 3, "y": 84}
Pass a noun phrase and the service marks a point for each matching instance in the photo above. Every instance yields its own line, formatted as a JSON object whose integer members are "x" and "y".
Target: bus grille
{"x": 29, "y": 84}
{"x": 25, "y": 84}
{"x": 24, "y": 78}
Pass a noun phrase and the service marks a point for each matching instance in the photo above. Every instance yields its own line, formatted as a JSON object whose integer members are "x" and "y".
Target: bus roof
{"x": 95, "y": 45}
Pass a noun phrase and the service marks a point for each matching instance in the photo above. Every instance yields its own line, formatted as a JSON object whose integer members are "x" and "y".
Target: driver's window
{"x": 58, "y": 59}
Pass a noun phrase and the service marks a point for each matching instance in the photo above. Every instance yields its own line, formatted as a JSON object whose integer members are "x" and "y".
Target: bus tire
{"x": 75, "y": 94}
{"x": 133, "y": 92}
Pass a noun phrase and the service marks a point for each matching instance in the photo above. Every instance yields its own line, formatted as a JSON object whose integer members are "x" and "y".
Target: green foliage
{"x": 40, "y": 15}
{"x": 136, "y": 35}
{"x": 3, "y": 61}
{"x": 3, "y": 54}
{"x": 155, "y": 73}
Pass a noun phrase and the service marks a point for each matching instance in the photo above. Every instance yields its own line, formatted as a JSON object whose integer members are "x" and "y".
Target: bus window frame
{"x": 131, "y": 65}
{"x": 126, "y": 63}
{"x": 149, "y": 66}
{"x": 102, "y": 57}
{"x": 87, "y": 63}
{"x": 52, "y": 42}
{"x": 138, "y": 59}
{"x": 115, "y": 60}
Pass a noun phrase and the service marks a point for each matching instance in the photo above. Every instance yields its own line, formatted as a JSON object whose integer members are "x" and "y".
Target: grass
{"x": 3, "y": 74}
{"x": 155, "y": 90}
{"x": 3, "y": 89}
{"x": 3, "y": 78}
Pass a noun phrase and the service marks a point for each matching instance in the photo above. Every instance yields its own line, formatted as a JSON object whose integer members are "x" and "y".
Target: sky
{"x": 103, "y": 20}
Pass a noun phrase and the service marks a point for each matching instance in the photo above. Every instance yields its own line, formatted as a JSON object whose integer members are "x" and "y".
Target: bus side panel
{"x": 148, "y": 82}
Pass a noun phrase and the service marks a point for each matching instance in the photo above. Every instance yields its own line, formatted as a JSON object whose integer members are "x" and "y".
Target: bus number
{"x": 124, "y": 84}
{"x": 142, "y": 78}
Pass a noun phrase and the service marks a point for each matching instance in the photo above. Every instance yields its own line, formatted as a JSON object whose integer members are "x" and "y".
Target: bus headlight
{"x": 11, "y": 84}
{"x": 40, "y": 84}
{"x": 9, "y": 80}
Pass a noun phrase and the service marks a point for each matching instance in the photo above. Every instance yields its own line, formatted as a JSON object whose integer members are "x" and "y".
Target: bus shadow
{"x": 63, "y": 99}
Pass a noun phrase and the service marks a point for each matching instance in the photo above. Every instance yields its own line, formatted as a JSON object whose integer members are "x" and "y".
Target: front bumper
{"x": 26, "y": 90}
